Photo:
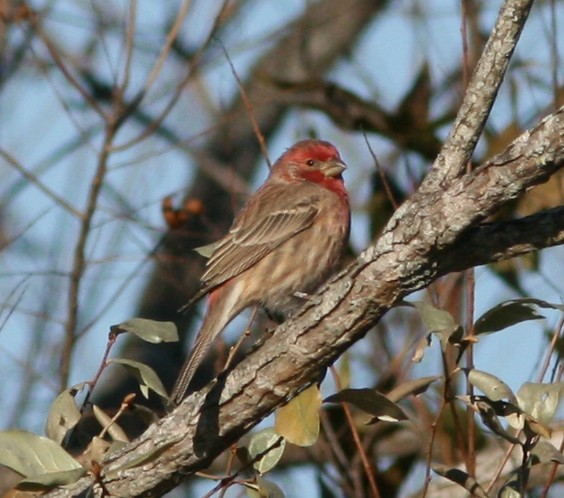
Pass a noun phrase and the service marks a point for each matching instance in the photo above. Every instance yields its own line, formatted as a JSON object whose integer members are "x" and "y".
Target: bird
{"x": 285, "y": 242}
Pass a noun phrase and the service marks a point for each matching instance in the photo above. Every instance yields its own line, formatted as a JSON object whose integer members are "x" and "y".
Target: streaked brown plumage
{"x": 287, "y": 239}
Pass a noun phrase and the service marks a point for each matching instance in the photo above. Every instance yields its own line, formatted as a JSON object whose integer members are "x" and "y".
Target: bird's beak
{"x": 333, "y": 168}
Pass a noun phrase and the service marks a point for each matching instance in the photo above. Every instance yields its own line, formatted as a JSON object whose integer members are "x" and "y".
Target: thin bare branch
{"x": 20, "y": 168}
{"x": 129, "y": 45}
{"x": 171, "y": 36}
{"x": 55, "y": 53}
{"x": 79, "y": 259}
{"x": 248, "y": 106}
{"x": 368, "y": 469}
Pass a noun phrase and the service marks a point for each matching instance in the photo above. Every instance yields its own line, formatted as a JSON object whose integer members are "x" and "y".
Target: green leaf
{"x": 298, "y": 421}
{"x": 546, "y": 452}
{"x": 63, "y": 416}
{"x": 511, "y": 313}
{"x": 420, "y": 348}
{"x": 39, "y": 459}
{"x": 494, "y": 388}
{"x": 149, "y": 330}
{"x": 435, "y": 320}
{"x": 267, "y": 448}
{"x": 345, "y": 370}
{"x": 263, "y": 489}
{"x": 416, "y": 386}
{"x": 540, "y": 401}
{"x": 489, "y": 411}
{"x": 370, "y": 401}
{"x": 512, "y": 488}
{"x": 439, "y": 322}
{"x": 537, "y": 428}
{"x": 146, "y": 376}
{"x": 207, "y": 250}
{"x": 462, "y": 479}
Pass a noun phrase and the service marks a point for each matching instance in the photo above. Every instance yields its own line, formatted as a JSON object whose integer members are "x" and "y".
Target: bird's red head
{"x": 315, "y": 161}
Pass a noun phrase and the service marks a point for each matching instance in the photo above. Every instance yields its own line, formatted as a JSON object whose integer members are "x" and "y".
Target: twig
{"x": 383, "y": 177}
{"x": 103, "y": 364}
{"x": 79, "y": 259}
{"x": 192, "y": 64}
{"x": 12, "y": 161}
{"x": 552, "y": 347}
{"x": 552, "y": 474}
{"x": 429, "y": 460}
{"x": 244, "y": 335}
{"x": 171, "y": 36}
{"x": 54, "y": 52}
{"x": 129, "y": 45}
{"x": 470, "y": 281}
{"x": 248, "y": 106}
{"x": 358, "y": 443}
{"x": 126, "y": 403}
{"x": 334, "y": 447}
{"x": 500, "y": 467}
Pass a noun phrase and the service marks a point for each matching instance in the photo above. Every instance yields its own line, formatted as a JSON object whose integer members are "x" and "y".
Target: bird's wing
{"x": 261, "y": 227}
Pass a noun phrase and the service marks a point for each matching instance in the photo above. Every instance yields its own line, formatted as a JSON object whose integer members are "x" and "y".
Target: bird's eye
{"x": 310, "y": 162}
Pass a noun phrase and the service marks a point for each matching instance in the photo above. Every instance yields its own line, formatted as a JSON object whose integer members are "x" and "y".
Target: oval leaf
{"x": 494, "y": 389}
{"x": 63, "y": 416}
{"x": 511, "y": 313}
{"x": 345, "y": 370}
{"x": 207, "y": 250}
{"x": 546, "y": 452}
{"x": 146, "y": 376}
{"x": 538, "y": 428}
{"x": 298, "y": 421}
{"x": 420, "y": 347}
{"x": 488, "y": 411}
{"x": 540, "y": 401}
{"x": 370, "y": 401}
{"x": 149, "y": 330}
{"x": 416, "y": 386}
{"x": 264, "y": 489}
{"x": 462, "y": 479}
{"x": 435, "y": 320}
{"x": 31, "y": 455}
{"x": 267, "y": 448}
{"x": 439, "y": 322}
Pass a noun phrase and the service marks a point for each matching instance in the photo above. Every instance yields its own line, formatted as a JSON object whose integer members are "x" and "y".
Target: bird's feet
{"x": 313, "y": 299}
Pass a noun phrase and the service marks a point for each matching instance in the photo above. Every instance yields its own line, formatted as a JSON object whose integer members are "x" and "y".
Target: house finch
{"x": 284, "y": 243}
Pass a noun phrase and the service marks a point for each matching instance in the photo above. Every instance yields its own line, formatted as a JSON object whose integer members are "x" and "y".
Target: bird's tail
{"x": 218, "y": 315}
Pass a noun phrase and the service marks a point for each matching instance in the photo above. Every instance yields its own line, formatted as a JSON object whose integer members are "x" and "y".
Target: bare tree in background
{"x": 131, "y": 133}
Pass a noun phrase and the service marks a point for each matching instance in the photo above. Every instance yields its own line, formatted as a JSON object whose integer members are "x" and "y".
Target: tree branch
{"x": 481, "y": 92}
{"x": 500, "y": 241}
{"x": 408, "y": 256}
{"x": 351, "y": 112}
